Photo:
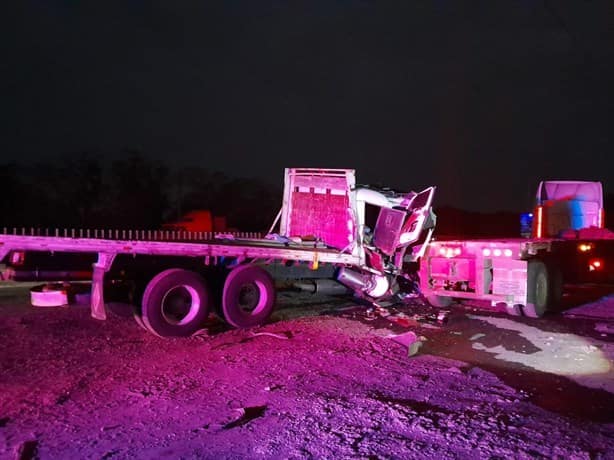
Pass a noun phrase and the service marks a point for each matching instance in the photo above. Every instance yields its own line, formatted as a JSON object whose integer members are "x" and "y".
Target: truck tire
{"x": 439, "y": 301}
{"x": 175, "y": 303}
{"x": 248, "y": 297}
{"x": 544, "y": 288}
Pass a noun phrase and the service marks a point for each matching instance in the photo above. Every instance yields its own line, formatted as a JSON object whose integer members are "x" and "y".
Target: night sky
{"x": 481, "y": 98}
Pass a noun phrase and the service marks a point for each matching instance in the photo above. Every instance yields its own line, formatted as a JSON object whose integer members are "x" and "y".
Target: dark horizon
{"x": 482, "y": 99}
{"x": 135, "y": 192}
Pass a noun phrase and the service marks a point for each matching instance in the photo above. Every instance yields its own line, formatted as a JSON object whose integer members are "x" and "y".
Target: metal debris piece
{"x": 284, "y": 335}
{"x": 201, "y": 333}
{"x": 272, "y": 387}
{"x": 247, "y": 414}
{"x": 383, "y": 312}
{"x": 442, "y": 316}
{"x": 479, "y": 335}
{"x": 403, "y": 320}
{"x": 412, "y": 341}
{"x": 414, "y": 347}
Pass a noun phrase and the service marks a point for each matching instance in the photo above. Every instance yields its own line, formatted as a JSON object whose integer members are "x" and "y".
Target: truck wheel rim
{"x": 252, "y": 297}
{"x": 180, "y": 305}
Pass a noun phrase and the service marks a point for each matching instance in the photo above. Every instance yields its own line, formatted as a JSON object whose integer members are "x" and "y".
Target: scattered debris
{"x": 284, "y": 335}
{"x": 403, "y": 320}
{"x": 201, "y": 334}
{"x": 409, "y": 339}
{"x": 442, "y": 316}
{"x": 273, "y": 387}
{"x": 383, "y": 312}
{"x": 414, "y": 347}
{"x": 247, "y": 414}
{"x": 479, "y": 335}
{"x": 370, "y": 314}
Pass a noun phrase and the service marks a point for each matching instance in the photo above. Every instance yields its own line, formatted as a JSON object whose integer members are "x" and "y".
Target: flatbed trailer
{"x": 569, "y": 245}
{"x": 238, "y": 249}
{"x": 321, "y": 221}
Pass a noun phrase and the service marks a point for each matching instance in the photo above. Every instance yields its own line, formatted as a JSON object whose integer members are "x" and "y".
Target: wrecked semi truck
{"x": 568, "y": 244}
{"x": 184, "y": 276}
{"x": 181, "y": 277}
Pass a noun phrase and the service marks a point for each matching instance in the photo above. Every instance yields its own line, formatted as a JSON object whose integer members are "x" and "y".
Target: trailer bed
{"x": 236, "y": 247}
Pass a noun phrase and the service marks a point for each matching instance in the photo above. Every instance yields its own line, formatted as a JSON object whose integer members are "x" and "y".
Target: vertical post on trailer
{"x": 102, "y": 265}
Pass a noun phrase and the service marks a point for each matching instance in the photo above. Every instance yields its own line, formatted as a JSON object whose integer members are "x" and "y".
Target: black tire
{"x": 556, "y": 286}
{"x": 439, "y": 301}
{"x": 175, "y": 303}
{"x": 544, "y": 288}
{"x": 248, "y": 297}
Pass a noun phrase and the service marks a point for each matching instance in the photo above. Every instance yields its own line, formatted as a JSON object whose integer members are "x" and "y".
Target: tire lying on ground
{"x": 60, "y": 294}
{"x": 50, "y": 295}
{"x": 175, "y": 303}
{"x": 248, "y": 297}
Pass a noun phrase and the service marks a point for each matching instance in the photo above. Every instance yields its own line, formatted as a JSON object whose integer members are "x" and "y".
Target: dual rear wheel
{"x": 177, "y": 302}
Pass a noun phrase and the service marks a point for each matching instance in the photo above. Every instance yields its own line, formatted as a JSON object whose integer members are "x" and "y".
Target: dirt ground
{"x": 326, "y": 378}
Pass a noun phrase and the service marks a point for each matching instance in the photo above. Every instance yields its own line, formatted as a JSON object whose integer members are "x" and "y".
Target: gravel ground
{"x": 324, "y": 379}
